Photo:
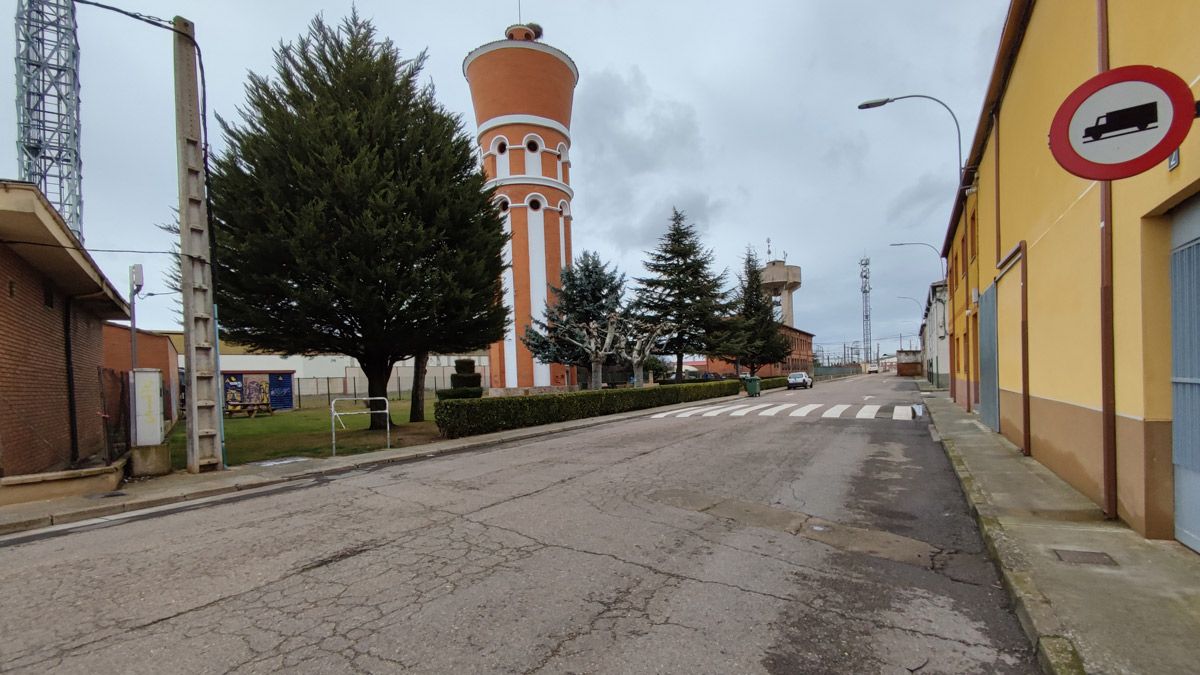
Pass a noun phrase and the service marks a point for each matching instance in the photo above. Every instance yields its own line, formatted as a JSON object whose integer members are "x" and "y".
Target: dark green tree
{"x": 590, "y": 294}
{"x": 750, "y": 337}
{"x": 351, "y": 212}
{"x": 682, "y": 290}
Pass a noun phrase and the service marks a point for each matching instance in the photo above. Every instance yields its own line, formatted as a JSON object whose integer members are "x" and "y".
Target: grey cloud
{"x": 921, "y": 202}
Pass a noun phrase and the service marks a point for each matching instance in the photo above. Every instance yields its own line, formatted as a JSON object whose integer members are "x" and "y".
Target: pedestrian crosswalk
{"x": 898, "y": 412}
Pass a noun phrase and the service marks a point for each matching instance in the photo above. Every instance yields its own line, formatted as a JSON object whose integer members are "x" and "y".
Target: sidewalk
{"x": 1091, "y": 594}
{"x": 182, "y": 486}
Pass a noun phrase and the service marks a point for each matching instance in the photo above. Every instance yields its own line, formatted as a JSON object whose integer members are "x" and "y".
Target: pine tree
{"x": 682, "y": 290}
{"x": 351, "y": 212}
{"x": 751, "y": 336}
{"x": 590, "y": 294}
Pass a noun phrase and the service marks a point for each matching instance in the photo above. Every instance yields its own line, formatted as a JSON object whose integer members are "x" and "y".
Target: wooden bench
{"x": 250, "y": 409}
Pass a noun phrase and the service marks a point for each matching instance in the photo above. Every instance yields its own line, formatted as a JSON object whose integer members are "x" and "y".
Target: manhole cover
{"x": 1084, "y": 557}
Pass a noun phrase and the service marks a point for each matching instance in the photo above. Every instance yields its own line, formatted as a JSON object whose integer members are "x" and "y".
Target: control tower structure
{"x": 523, "y": 91}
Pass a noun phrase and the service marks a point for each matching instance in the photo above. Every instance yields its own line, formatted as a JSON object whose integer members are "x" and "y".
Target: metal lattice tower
{"x": 864, "y": 265}
{"x": 48, "y": 104}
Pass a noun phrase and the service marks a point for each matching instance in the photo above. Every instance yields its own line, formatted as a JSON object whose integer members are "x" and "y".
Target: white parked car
{"x": 799, "y": 381}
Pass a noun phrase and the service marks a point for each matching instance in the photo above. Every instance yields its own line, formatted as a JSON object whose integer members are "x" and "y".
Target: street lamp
{"x": 879, "y": 102}
{"x": 919, "y": 305}
{"x": 941, "y": 262}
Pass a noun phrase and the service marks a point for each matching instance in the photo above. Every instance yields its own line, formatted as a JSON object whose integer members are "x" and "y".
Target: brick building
{"x": 799, "y": 359}
{"x": 54, "y": 303}
{"x": 155, "y": 350}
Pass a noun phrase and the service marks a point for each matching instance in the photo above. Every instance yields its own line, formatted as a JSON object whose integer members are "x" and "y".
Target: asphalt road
{"x": 715, "y": 542}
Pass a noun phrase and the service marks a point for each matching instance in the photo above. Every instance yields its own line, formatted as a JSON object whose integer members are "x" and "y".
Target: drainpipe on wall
{"x": 72, "y": 418}
{"x": 1108, "y": 384}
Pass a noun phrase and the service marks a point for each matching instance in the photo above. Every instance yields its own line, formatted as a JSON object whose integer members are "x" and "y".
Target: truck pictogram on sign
{"x": 1124, "y": 121}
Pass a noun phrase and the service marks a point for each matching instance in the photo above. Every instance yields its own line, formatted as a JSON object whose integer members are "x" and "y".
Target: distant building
{"x": 54, "y": 302}
{"x": 935, "y": 345}
{"x": 800, "y": 358}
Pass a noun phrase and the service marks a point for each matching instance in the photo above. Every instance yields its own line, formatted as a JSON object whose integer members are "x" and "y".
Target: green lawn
{"x": 305, "y": 433}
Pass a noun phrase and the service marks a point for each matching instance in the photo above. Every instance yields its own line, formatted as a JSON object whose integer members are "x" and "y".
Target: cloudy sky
{"x": 743, "y": 115}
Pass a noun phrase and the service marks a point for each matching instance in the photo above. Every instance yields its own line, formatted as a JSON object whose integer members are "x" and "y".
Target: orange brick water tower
{"x": 522, "y": 90}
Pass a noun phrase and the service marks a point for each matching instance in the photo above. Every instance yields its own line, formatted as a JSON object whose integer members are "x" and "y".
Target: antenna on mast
{"x": 768, "y": 249}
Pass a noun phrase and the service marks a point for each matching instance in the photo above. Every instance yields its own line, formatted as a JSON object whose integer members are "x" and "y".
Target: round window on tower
{"x": 535, "y": 204}
{"x": 501, "y": 148}
{"x": 531, "y": 145}
{"x": 503, "y": 206}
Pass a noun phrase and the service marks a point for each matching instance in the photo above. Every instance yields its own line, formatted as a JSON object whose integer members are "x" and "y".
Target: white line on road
{"x": 902, "y": 412}
{"x": 693, "y": 411}
{"x": 836, "y": 411}
{"x": 801, "y": 412}
{"x": 867, "y": 412}
{"x": 771, "y": 412}
{"x": 726, "y": 408}
{"x": 659, "y": 416}
{"x": 740, "y": 413}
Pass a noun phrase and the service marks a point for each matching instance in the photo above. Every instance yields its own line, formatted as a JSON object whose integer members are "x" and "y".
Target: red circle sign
{"x": 1122, "y": 122}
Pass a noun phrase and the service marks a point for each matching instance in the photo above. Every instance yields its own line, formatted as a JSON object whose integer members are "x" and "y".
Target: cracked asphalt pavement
{"x": 715, "y": 544}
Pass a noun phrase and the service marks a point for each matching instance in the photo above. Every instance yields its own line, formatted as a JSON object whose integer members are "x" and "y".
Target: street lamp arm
{"x": 957, "y": 128}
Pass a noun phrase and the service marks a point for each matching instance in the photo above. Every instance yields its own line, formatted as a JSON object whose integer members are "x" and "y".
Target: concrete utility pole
{"x": 199, "y": 321}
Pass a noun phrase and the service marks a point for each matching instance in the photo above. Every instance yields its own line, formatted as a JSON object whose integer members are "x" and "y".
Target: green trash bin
{"x": 753, "y": 386}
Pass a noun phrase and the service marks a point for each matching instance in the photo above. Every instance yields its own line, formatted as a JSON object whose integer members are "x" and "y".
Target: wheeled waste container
{"x": 753, "y": 387}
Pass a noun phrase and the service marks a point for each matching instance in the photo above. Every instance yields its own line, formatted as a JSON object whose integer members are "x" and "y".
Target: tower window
{"x": 535, "y": 204}
{"x": 532, "y": 145}
{"x": 502, "y": 148}
{"x": 503, "y": 206}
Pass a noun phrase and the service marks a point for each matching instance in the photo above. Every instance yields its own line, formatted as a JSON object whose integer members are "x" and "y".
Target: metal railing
{"x": 335, "y": 417}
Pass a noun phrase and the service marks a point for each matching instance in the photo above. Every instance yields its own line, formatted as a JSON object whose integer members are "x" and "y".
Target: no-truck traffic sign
{"x": 1122, "y": 122}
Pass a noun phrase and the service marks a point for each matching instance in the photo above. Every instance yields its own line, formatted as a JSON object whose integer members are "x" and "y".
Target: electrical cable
{"x": 22, "y": 242}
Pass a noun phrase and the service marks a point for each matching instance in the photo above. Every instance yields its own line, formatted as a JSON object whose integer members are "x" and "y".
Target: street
{"x": 809, "y": 531}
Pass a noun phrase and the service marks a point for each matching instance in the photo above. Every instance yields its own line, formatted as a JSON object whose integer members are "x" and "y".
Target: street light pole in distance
{"x": 938, "y": 253}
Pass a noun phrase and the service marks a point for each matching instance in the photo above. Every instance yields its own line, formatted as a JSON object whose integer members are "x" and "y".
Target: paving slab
{"x": 1092, "y": 595}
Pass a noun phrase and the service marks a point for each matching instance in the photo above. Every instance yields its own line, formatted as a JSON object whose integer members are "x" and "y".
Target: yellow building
{"x": 1061, "y": 288}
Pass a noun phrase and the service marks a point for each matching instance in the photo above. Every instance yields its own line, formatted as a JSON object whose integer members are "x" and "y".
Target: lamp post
{"x": 879, "y": 102}
{"x": 941, "y": 261}
{"x": 135, "y": 286}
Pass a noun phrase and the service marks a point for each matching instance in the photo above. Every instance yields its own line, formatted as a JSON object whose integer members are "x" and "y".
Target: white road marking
{"x": 867, "y": 412}
{"x": 836, "y": 411}
{"x": 771, "y": 412}
{"x": 801, "y": 412}
{"x": 868, "y": 398}
{"x": 790, "y": 393}
{"x": 902, "y": 412}
{"x": 726, "y": 408}
{"x": 661, "y": 415}
{"x": 698, "y": 410}
{"x": 739, "y": 413}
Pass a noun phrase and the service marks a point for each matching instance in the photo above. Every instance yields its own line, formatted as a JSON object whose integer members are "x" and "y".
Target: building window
{"x": 501, "y": 148}
{"x": 503, "y": 206}
{"x": 531, "y": 145}
{"x": 974, "y": 235}
{"x": 535, "y": 204}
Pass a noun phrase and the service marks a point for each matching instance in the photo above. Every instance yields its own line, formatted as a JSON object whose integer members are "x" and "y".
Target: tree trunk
{"x": 378, "y": 374}
{"x": 637, "y": 375}
{"x": 598, "y": 373}
{"x": 416, "y": 412}
{"x": 679, "y": 367}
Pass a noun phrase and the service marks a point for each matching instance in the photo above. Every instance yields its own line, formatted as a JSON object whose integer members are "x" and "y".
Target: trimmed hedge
{"x": 468, "y": 417}
{"x": 773, "y": 383}
{"x": 459, "y": 392}
{"x": 466, "y": 380}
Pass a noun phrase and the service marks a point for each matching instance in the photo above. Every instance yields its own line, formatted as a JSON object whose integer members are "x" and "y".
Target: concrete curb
{"x": 1056, "y": 653}
{"x": 329, "y": 466}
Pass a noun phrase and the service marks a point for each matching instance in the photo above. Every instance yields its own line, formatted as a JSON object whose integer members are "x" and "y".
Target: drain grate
{"x": 1084, "y": 557}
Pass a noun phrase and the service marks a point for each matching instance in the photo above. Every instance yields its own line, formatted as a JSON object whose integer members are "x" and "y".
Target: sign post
{"x": 1122, "y": 122}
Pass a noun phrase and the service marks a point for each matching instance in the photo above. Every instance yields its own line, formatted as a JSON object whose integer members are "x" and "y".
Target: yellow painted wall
{"x": 1165, "y": 38}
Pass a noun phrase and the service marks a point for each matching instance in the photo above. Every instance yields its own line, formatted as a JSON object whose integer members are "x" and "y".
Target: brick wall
{"x": 34, "y": 422}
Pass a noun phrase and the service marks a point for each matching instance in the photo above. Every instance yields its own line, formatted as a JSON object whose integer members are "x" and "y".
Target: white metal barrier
{"x": 335, "y": 417}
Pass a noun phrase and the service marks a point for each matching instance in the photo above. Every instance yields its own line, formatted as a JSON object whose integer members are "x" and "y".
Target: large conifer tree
{"x": 751, "y": 336}
{"x": 682, "y": 290}
{"x": 352, "y": 215}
